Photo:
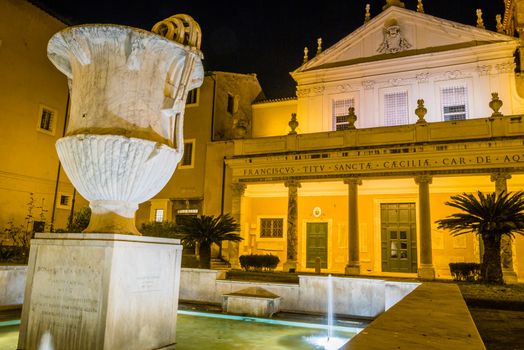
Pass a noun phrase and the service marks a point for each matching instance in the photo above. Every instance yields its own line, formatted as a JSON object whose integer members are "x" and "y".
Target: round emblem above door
{"x": 317, "y": 212}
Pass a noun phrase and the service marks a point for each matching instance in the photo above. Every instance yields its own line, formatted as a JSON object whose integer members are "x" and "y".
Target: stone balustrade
{"x": 468, "y": 129}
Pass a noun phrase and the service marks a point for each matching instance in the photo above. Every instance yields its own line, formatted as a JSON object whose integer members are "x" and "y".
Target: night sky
{"x": 265, "y": 37}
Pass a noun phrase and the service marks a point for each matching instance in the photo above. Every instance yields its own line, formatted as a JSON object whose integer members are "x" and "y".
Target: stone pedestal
{"x": 426, "y": 272}
{"x": 101, "y": 291}
{"x": 253, "y": 301}
{"x": 352, "y": 270}
{"x": 290, "y": 266}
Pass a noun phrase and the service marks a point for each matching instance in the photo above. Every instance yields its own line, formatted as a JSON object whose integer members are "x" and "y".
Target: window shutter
{"x": 396, "y": 108}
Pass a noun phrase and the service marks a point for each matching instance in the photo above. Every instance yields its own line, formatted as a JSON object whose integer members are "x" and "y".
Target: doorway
{"x": 316, "y": 244}
{"x": 398, "y": 237}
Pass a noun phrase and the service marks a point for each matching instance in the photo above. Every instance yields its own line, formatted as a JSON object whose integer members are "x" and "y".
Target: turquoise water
{"x": 198, "y": 330}
{"x": 9, "y": 335}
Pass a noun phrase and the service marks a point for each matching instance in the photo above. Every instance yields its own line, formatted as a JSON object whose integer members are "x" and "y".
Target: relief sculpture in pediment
{"x": 393, "y": 39}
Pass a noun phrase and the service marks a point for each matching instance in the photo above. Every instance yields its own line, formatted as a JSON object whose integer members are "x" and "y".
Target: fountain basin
{"x": 203, "y": 330}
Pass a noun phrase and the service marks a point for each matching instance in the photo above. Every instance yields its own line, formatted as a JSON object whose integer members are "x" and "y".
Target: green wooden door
{"x": 398, "y": 237}
{"x": 316, "y": 244}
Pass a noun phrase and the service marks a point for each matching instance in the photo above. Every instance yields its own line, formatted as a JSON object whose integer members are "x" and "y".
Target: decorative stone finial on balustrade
{"x": 421, "y": 112}
{"x": 319, "y": 46}
{"x": 500, "y": 27}
{"x": 306, "y": 58}
{"x": 367, "y": 16}
{"x": 480, "y": 21}
{"x": 240, "y": 129}
{"x": 495, "y": 104}
{"x": 420, "y": 6}
{"x": 293, "y": 124}
{"x": 352, "y": 118}
{"x": 390, "y": 3}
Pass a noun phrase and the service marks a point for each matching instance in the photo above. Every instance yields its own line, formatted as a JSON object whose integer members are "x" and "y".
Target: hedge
{"x": 465, "y": 271}
{"x": 259, "y": 262}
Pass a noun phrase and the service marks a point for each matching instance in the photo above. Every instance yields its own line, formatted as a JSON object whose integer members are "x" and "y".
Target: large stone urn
{"x": 110, "y": 288}
{"x": 128, "y": 90}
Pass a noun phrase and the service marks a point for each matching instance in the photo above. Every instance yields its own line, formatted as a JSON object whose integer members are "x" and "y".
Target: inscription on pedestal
{"x": 148, "y": 283}
{"x": 68, "y": 299}
{"x": 61, "y": 298}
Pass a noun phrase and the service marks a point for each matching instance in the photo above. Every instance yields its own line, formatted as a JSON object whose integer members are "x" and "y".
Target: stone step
{"x": 219, "y": 264}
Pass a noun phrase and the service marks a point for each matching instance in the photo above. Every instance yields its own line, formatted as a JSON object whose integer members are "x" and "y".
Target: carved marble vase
{"x": 124, "y": 137}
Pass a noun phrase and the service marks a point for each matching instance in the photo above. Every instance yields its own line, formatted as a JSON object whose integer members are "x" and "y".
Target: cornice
{"x": 491, "y": 54}
{"x": 378, "y": 21}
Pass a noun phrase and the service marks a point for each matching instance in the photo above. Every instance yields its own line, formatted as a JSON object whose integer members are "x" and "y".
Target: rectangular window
{"x": 188, "y": 159}
{"x": 189, "y": 154}
{"x": 192, "y": 97}
{"x": 396, "y": 108}
{"x": 159, "y": 215}
{"x": 272, "y": 228}
{"x": 64, "y": 201}
{"x": 340, "y": 113}
{"x": 38, "y": 226}
{"x": 232, "y": 103}
{"x": 454, "y": 103}
{"x": 46, "y": 120}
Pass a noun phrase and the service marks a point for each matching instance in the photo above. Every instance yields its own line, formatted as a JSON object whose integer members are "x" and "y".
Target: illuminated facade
{"x": 33, "y": 105}
{"x": 358, "y": 190}
{"x": 220, "y": 110}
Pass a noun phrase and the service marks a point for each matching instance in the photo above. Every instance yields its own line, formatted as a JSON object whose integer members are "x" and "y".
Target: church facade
{"x": 388, "y": 124}
{"x": 393, "y": 120}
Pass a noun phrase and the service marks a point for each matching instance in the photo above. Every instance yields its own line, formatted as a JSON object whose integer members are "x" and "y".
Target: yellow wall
{"x": 28, "y": 80}
{"x": 189, "y": 182}
{"x": 272, "y": 118}
{"x": 209, "y": 119}
{"x": 263, "y": 207}
{"x": 334, "y": 207}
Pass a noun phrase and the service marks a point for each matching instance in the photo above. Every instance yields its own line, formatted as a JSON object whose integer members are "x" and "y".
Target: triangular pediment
{"x": 409, "y": 33}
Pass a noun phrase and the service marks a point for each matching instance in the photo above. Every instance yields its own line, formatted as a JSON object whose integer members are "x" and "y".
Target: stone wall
{"x": 434, "y": 316}
{"x": 352, "y": 296}
{"x": 12, "y": 285}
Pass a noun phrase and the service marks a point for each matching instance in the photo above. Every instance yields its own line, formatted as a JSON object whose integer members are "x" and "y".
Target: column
{"x": 426, "y": 269}
{"x": 292, "y": 217}
{"x": 237, "y": 191}
{"x": 506, "y": 254}
{"x": 353, "y": 266}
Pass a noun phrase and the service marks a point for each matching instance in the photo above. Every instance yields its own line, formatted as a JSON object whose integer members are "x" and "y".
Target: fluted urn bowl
{"x": 124, "y": 136}
{"x": 116, "y": 173}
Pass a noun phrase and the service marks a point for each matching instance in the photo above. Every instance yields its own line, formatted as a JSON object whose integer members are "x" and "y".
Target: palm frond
{"x": 210, "y": 229}
{"x": 493, "y": 214}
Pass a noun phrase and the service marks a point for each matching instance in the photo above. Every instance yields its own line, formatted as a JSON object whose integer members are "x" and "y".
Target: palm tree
{"x": 490, "y": 216}
{"x": 205, "y": 230}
